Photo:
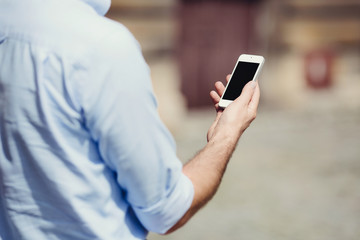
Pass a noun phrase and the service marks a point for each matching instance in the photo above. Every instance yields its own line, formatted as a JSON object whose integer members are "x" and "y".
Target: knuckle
{"x": 254, "y": 115}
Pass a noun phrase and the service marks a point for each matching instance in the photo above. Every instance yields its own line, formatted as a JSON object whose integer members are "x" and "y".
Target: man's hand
{"x": 239, "y": 114}
{"x": 207, "y": 168}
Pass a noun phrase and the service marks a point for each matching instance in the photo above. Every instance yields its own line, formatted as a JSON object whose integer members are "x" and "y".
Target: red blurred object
{"x": 318, "y": 68}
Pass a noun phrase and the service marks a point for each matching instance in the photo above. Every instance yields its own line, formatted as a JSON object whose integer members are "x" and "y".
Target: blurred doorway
{"x": 212, "y": 36}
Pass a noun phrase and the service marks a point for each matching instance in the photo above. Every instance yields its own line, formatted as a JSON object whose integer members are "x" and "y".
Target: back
{"x": 54, "y": 182}
{"x": 76, "y": 162}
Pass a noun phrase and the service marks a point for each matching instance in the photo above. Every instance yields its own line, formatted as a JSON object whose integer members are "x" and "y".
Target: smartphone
{"x": 247, "y": 69}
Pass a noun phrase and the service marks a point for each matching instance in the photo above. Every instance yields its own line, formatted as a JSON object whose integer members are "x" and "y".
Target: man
{"x": 83, "y": 153}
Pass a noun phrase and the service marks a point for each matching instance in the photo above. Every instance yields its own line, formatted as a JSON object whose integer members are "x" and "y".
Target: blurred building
{"x": 312, "y": 45}
{"x": 309, "y": 45}
{"x": 212, "y": 36}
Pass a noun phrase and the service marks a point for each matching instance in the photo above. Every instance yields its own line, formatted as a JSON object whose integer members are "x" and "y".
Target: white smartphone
{"x": 246, "y": 69}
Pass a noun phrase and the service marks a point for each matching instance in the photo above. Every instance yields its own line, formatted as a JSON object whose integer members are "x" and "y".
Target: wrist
{"x": 224, "y": 140}
{"x": 225, "y": 135}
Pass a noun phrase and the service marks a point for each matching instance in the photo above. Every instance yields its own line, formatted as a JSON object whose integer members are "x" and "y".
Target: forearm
{"x": 205, "y": 171}
{"x": 207, "y": 168}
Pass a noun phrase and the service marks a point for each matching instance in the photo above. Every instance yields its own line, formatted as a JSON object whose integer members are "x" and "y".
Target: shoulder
{"x": 69, "y": 28}
{"x": 99, "y": 36}
{"x": 98, "y": 40}
{"x": 114, "y": 40}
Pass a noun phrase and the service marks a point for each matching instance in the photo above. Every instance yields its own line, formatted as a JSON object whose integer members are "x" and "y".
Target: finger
{"x": 220, "y": 88}
{"x": 228, "y": 77}
{"x": 214, "y": 97}
{"x": 254, "y": 102}
{"x": 247, "y": 93}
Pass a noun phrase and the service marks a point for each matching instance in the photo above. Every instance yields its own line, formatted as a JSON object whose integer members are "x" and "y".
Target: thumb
{"x": 254, "y": 102}
{"x": 247, "y": 93}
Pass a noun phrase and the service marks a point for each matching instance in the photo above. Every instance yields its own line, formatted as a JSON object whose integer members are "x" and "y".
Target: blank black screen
{"x": 243, "y": 73}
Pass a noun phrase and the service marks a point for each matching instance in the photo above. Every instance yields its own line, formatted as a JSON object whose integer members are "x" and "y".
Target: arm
{"x": 206, "y": 169}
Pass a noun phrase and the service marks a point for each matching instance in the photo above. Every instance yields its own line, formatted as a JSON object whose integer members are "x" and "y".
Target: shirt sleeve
{"x": 120, "y": 112}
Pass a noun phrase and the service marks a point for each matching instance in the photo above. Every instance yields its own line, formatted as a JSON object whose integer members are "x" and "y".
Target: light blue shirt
{"x": 83, "y": 153}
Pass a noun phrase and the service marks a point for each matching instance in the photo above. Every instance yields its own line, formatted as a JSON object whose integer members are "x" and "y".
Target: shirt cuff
{"x": 164, "y": 214}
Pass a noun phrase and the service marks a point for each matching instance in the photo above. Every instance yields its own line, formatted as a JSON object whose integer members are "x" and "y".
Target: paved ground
{"x": 295, "y": 175}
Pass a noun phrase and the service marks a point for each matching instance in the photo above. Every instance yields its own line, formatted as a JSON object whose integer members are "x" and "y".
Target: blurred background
{"x": 296, "y": 171}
